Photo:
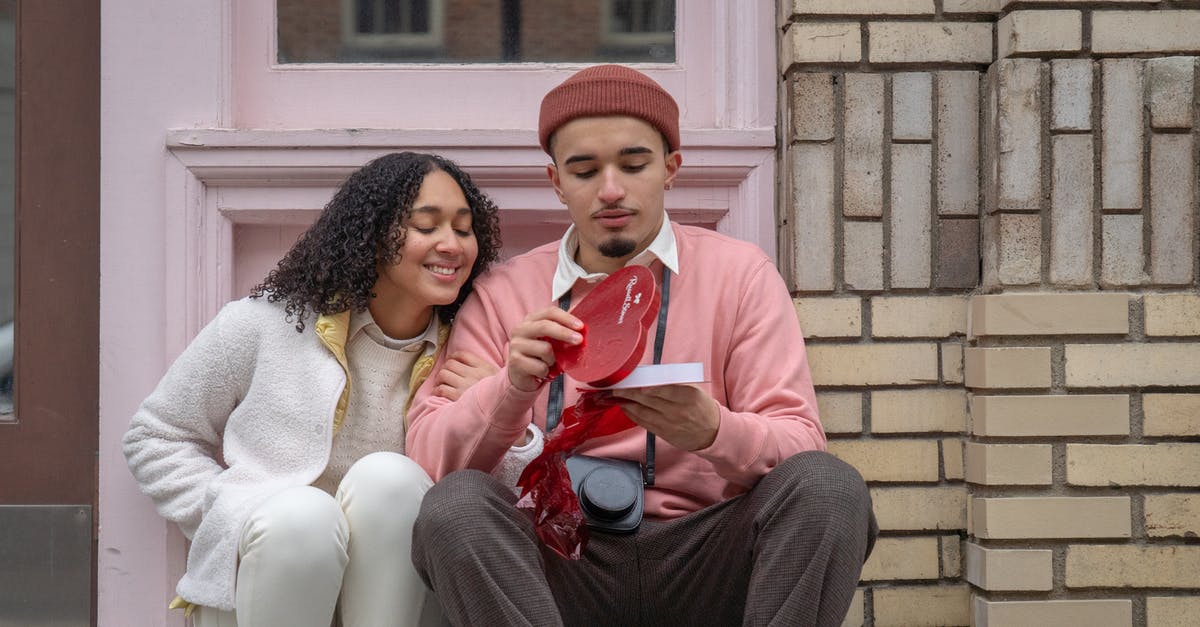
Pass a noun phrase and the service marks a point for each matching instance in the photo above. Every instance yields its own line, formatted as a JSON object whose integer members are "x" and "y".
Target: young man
{"x": 748, "y": 521}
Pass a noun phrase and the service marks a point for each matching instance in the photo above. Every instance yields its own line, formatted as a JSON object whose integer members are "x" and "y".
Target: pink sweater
{"x": 728, "y": 309}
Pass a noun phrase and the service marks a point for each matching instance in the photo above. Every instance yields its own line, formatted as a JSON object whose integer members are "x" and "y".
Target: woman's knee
{"x": 302, "y": 516}
{"x": 389, "y": 477}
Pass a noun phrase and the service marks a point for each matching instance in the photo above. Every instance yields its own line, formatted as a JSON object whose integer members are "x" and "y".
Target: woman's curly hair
{"x": 334, "y": 265}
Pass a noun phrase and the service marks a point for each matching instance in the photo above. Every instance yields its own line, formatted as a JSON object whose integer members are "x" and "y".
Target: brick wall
{"x": 989, "y": 223}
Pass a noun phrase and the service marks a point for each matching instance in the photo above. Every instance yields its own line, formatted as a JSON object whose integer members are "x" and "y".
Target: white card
{"x": 650, "y": 375}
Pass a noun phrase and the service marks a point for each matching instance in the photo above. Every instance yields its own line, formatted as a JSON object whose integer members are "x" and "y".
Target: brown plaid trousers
{"x": 788, "y": 552}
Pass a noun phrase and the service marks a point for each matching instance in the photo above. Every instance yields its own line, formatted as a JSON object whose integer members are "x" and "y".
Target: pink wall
{"x": 161, "y": 68}
{"x": 193, "y": 208}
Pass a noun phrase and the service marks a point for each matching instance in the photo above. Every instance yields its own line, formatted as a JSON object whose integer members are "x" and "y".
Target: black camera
{"x": 610, "y": 492}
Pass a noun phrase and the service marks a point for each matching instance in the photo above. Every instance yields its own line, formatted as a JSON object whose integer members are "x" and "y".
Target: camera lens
{"x": 607, "y": 493}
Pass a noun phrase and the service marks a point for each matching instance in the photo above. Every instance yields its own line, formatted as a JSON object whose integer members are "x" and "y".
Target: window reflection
{"x": 8, "y": 109}
{"x": 475, "y": 31}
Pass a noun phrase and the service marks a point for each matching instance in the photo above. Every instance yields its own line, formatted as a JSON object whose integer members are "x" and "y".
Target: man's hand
{"x": 684, "y": 415}
{"x": 530, "y": 355}
{"x": 462, "y": 370}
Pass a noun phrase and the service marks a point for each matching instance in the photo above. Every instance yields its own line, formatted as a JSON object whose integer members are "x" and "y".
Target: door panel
{"x": 48, "y": 448}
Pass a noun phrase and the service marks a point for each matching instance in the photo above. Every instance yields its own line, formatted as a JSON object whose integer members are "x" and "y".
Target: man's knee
{"x": 459, "y": 503}
{"x": 820, "y": 479}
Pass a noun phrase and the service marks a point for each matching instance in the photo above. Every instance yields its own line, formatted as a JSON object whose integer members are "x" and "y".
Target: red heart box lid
{"x": 617, "y": 315}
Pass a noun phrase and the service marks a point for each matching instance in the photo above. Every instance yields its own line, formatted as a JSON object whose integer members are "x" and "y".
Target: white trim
{"x": 218, "y": 178}
{"x": 724, "y": 48}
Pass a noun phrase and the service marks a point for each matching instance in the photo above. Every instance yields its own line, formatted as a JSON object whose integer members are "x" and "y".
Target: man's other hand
{"x": 684, "y": 415}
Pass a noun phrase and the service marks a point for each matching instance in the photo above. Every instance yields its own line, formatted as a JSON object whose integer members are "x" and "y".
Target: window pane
{"x": 475, "y": 31}
{"x": 8, "y": 108}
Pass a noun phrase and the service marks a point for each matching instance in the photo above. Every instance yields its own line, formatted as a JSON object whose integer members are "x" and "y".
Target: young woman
{"x": 276, "y": 439}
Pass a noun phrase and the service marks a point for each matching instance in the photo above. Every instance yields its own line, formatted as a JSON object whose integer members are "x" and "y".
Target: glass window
{"x": 8, "y": 108}
{"x": 475, "y": 31}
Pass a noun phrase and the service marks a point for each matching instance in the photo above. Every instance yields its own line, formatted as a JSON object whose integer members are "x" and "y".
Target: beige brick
{"x": 1171, "y": 414}
{"x": 902, "y": 558}
{"x": 890, "y": 460}
{"x": 1172, "y": 315}
{"x": 916, "y": 606}
{"x": 1004, "y": 4}
{"x": 1072, "y": 95}
{"x": 1024, "y": 32}
{"x": 855, "y": 616}
{"x": 910, "y": 220}
{"x": 1009, "y": 570}
{"x": 942, "y": 508}
{"x": 952, "y": 362}
{"x": 930, "y": 42}
{"x": 1131, "y": 365}
{"x": 1007, "y": 464}
{"x": 1072, "y": 214}
{"x": 1166, "y": 464}
{"x": 1092, "y": 612}
{"x": 829, "y": 317}
{"x": 996, "y": 368}
{"x": 822, "y": 42}
{"x": 1172, "y": 209}
{"x": 918, "y": 411}
{"x": 841, "y": 412}
{"x": 952, "y": 459}
{"x": 862, "y": 7}
{"x": 862, "y": 150}
{"x": 951, "y": 556}
{"x": 1145, "y": 31}
{"x": 1172, "y": 611}
{"x": 1170, "y": 83}
{"x": 1051, "y": 517}
{"x": 958, "y": 143}
{"x": 863, "y": 255}
{"x": 1050, "y": 415}
{"x": 1122, "y": 263}
{"x": 873, "y": 364}
{"x": 1127, "y": 566}
{"x": 970, "y": 6}
{"x": 918, "y": 316}
{"x": 1019, "y": 257}
{"x": 813, "y": 106}
{"x": 1019, "y": 138}
{"x": 1049, "y": 314}
{"x": 912, "y": 106}
{"x": 1173, "y": 515}
{"x": 809, "y": 250}
{"x": 1121, "y": 148}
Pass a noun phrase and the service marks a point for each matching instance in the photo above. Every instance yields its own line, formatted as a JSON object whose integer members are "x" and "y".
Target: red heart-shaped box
{"x": 617, "y": 315}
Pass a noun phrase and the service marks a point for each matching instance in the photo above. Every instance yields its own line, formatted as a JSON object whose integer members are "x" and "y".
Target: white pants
{"x": 302, "y": 549}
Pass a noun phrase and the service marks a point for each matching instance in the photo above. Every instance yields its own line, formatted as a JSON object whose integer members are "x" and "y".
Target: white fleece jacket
{"x": 245, "y": 412}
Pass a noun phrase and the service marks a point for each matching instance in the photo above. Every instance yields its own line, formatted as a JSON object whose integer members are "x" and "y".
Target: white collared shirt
{"x": 568, "y": 271}
{"x": 364, "y": 322}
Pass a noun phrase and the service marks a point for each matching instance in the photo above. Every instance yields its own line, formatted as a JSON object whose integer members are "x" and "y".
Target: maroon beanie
{"x": 609, "y": 90}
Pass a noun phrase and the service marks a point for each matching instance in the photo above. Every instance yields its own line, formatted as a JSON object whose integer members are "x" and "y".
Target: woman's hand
{"x": 462, "y": 370}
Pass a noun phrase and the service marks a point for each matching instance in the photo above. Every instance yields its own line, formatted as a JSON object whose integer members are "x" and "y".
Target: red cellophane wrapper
{"x": 545, "y": 485}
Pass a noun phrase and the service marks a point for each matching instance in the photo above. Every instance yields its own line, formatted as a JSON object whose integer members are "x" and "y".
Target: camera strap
{"x": 555, "y": 402}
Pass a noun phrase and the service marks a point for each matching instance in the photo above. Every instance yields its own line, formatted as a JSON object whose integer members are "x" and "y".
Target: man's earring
{"x": 667, "y": 186}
